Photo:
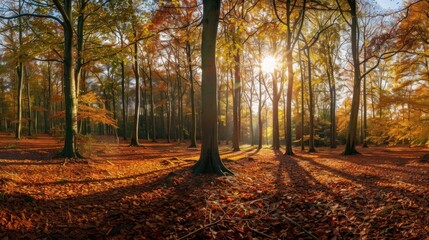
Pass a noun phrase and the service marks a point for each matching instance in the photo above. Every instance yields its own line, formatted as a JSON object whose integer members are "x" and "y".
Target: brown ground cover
{"x": 149, "y": 193}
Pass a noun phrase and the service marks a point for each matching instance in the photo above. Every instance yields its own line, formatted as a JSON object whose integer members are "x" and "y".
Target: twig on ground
{"x": 300, "y": 227}
{"x": 259, "y": 232}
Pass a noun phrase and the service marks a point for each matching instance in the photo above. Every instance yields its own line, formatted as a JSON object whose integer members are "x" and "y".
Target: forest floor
{"x": 123, "y": 192}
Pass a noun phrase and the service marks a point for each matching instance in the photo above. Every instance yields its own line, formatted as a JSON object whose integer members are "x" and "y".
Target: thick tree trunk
{"x": 209, "y": 162}
{"x": 70, "y": 141}
{"x": 350, "y": 147}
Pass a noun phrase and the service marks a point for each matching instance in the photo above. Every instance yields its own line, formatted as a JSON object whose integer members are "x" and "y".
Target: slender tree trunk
{"x": 30, "y": 117}
{"x": 288, "y": 131}
{"x": 311, "y": 107}
{"x": 152, "y": 105}
{"x": 333, "y": 96}
{"x": 236, "y": 105}
{"x": 276, "y": 100}
{"x": 365, "y": 124}
{"x": 302, "y": 101}
{"x": 135, "y": 132}
{"x": 48, "y": 122}
{"x": 209, "y": 162}
{"x": 191, "y": 80}
{"x": 20, "y": 74}
{"x": 260, "y": 123}
{"x": 124, "y": 116}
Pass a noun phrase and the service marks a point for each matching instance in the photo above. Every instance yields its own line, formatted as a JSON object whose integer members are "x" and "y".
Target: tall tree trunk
{"x": 260, "y": 123}
{"x": 209, "y": 162}
{"x": 236, "y": 105}
{"x": 252, "y": 140}
{"x": 145, "y": 110}
{"x": 124, "y": 116}
{"x": 70, "y": 140}
{"x": 311, "y": 107}
{"x": 350, "y": 147}
{"x": 276, "y": 125}
{"x": 333, "y": 99}
{"x": 152, "y": 105}
{"x": 301, "y": 67}
{"x": 79, "y": 36}
{"x": 47, "y": 117}
{"x": 191, "y": 80}
{"x": 288, "y": 131}
{"x": 365, "y": 124}
{"x": 30, "y": 117}
{"x": 20, "y": 74}
{"x": 135, "y": 132}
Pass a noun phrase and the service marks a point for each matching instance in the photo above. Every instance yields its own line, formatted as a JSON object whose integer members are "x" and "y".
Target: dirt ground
{"x": 123, "y": 192}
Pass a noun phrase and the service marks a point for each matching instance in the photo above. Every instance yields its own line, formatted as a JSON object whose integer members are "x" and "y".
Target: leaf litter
{"x": 150, "y": 193}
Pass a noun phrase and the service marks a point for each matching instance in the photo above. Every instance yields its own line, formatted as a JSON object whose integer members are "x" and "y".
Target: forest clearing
{"x": 381, "y": 194}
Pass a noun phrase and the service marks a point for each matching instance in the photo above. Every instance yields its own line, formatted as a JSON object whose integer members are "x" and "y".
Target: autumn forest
{"x": 214, "y": 119}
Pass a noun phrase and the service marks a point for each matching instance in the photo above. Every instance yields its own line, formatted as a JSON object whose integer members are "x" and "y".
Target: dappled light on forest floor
{"x": 124, "y": 192}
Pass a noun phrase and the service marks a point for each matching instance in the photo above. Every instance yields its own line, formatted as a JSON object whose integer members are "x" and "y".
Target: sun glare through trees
{"x": 214, "y": 119}
{"x": 268, "y": 64}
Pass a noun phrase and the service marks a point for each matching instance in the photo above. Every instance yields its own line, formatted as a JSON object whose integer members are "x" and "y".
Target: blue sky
{"x": 390, "y": 4}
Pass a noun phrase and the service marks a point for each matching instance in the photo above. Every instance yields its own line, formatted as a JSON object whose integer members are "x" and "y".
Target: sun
{"x": 268, "y": 64}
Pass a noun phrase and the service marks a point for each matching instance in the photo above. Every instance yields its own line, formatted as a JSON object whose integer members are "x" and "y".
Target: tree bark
{"x": 209, "y": 162}
{"x": 135, "y": 132}
{"x": 191, "y": 80}
{"x": 302, "y": 100}
{"x": 311, "y": 107}
{"x": 350, "y": 148}
{"x": 29, "y": 124}
{"x": 70, "y": 140}
{"x": 124, "y": 116}
{"x": 20, "y": 74}
{"x": 236, "y": 105}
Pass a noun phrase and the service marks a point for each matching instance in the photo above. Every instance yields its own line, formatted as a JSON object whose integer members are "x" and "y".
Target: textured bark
{"x": 209, "y": 162}
{"x": 350, "y": 148}
{"x": 70, "y": 140}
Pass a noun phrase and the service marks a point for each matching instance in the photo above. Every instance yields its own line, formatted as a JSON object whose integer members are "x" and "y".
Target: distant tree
{"x": 209, "y": 162}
